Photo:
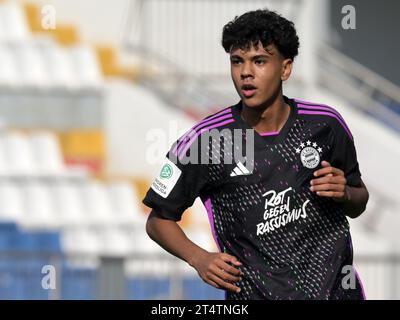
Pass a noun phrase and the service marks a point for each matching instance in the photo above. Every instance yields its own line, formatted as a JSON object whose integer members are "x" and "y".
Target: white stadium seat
{"x": 97, "y": 205}
{"x": 19, "y": 154}
{"x": 9, "y": 76}
{"x": 60, "y": 66}
{"x": 47, "y": 153}
{"x": 31, "y": 64}
{"x": 142, "y": 244}
{"x": 4, "y": 170}
{"x": 68, "y": 204}
{"x": 39, "y": 61}
{"x": 126, "y": 203}
{"x": 35, "y": 155}
{"x": 11, "y": 205}
{"x": 80, "y": 241}
{"x": 13, "y": 23}
{"x": 39, "y": 208}
{"x": 86, "y": 66}
{"x": 114, "y": 242}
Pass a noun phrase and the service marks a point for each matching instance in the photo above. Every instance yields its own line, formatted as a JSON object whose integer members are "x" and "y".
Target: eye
{"x": 260, "y": 61}
{"x": 235, "y": 61}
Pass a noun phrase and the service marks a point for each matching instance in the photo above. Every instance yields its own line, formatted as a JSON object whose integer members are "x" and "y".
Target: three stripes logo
{"x": 240, "y": 170}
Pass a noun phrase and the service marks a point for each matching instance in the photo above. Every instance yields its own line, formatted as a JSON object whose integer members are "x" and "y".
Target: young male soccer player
{"x": 279, "y": 219}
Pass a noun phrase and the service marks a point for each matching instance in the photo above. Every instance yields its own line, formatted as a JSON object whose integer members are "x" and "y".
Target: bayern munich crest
{"x": 310, "y": 154}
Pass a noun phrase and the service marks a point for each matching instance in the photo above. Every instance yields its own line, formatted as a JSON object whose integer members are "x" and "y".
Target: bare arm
{"x": 214, "y": 268}
{"x": 355, "y": 201}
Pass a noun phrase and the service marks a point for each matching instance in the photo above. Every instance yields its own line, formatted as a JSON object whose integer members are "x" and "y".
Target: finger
{"x": 212, "y": 283}
{"x": 228, "y": 258}
{"x": 224, "y": 275}
{"x": 330, "y": 194}
{"x": 328, "y": 179}
{"x": 328, "y": 187}
{"x": 224, "y": 284}
{"x": 328, "y": 170}
{"x": 325, "y": 163}
{"x": 228, "y": 268}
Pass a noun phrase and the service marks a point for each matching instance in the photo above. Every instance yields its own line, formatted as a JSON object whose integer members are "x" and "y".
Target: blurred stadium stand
{"x": 78, "y": 121}
{"x": 52, "y": 147}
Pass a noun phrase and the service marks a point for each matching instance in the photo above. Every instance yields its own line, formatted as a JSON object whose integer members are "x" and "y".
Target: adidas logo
{"x": 240, "y": 170}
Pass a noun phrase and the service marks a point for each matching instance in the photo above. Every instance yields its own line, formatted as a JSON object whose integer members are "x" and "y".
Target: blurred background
{"x": 94, "y": 92}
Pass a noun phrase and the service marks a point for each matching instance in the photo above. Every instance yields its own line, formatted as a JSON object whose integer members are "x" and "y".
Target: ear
{"x": 287, "y": 65}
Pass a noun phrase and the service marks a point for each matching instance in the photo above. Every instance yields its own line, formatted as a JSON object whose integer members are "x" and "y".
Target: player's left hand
{"x": 330, "y": 182}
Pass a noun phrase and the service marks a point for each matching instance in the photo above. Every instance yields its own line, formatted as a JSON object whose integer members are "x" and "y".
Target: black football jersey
{"x": 292, "y": 243}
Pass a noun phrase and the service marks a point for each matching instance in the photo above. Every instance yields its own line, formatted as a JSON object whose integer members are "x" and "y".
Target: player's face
{"x": 258, "y": 74}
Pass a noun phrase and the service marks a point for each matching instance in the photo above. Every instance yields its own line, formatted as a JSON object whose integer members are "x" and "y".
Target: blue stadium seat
{"x": 22, "y": 242}
{"x": 48, "y": 241}
{"x": 7, "y": 233}
{"x": 21, "y": 278}
{"x": 148, "y": 288}
{"x": 21, "y": 265}
{"x": 78, "y": 283}
{"x": 8, "y": 288}
{"x": 29, "y": 275}
{"x": 42, "y": 241}
{"x": 8, "y": 227}
{"x": 160, "y": 288}
{"x": 197, "y": 289}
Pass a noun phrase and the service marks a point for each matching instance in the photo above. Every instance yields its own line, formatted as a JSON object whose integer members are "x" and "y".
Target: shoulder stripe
{"x": 329, "y": 114}
{"x": 311, "y": 105}
{"x": 184, "y": 148}
{"x": 184, "y": 138}
{"x": 196, "y": 129}
{"x": 219, "y": 113}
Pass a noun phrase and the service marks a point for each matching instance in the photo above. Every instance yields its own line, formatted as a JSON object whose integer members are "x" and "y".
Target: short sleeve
{"x": 180, "y": 181}
{"x": 344, "y": 155}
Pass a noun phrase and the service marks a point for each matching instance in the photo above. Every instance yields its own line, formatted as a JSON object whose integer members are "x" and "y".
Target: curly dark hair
{"x": 261, "y": 25}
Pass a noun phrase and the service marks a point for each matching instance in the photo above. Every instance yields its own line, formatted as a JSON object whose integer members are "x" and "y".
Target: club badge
{"x": 310, "y": 154}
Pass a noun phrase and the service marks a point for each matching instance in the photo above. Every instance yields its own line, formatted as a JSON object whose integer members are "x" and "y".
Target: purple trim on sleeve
{"x": 357, "y": 276}
{"x": 325, "y": 108}
{"x": 190, "y": 142}
{"x": 329, "y": 114}
{"x": 208, "y": 205}
{"x": 196, "y": 129}
{"x": 361, "y": 284}
{"x": 184, "y": 137}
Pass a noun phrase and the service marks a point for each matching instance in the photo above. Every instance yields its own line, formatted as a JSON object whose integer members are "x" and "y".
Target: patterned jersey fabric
{"x": 292, "y": 243}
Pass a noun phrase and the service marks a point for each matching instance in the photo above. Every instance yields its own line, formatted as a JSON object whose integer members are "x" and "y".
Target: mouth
{"x": 248, "y": 90}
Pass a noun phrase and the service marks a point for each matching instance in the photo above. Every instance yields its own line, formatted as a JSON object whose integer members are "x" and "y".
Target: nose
{"x": 246, "y": 71}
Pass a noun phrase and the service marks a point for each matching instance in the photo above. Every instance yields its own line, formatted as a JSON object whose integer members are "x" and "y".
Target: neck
{"x": 270, "y": 117}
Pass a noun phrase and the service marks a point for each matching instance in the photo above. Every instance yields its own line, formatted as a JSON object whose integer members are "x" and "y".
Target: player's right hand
{"x": 217, "y": 269}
